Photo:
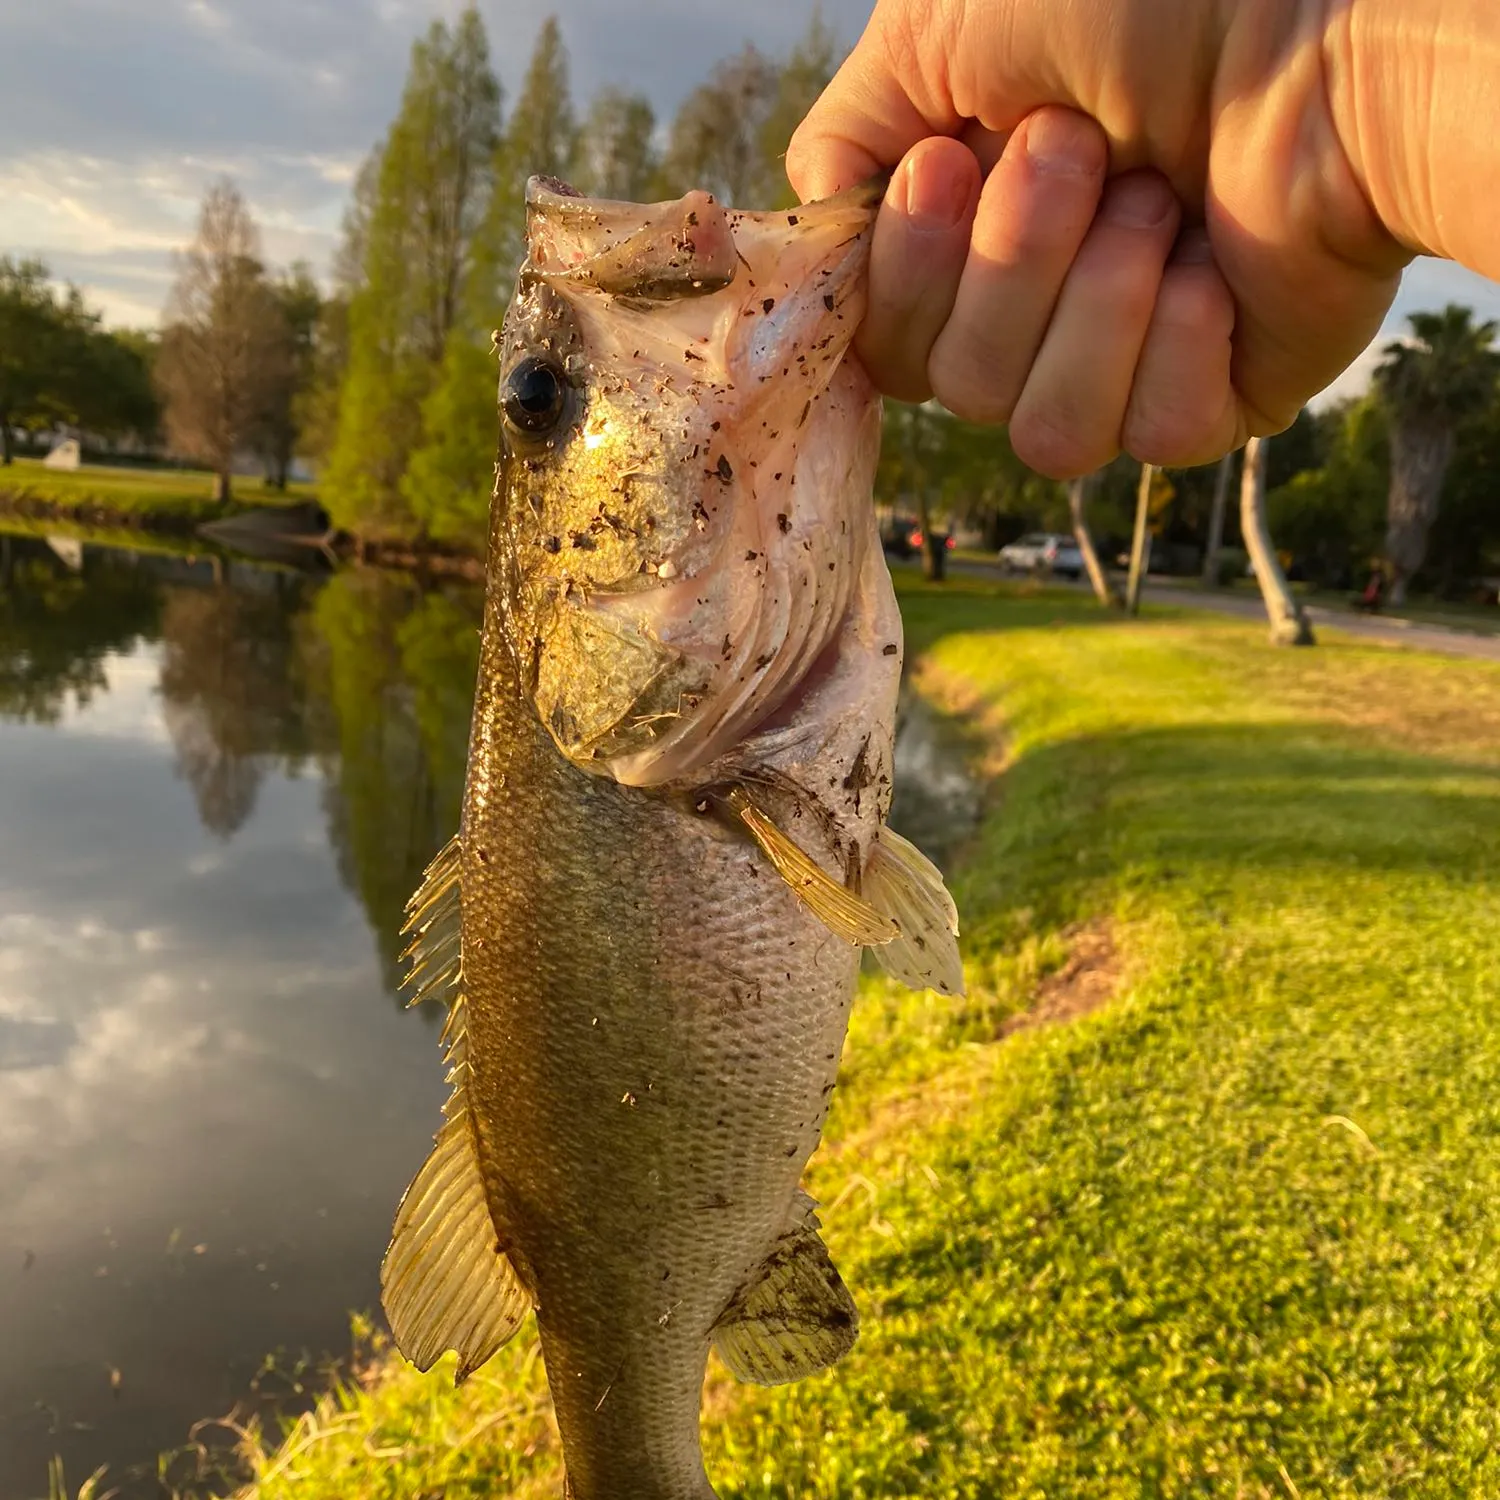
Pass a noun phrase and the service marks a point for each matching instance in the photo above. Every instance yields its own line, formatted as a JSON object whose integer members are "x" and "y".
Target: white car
{"x": 1043, "y": 552}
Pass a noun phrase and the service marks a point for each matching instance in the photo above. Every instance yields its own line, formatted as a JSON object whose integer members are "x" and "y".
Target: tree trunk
{"x": 1289, "y": 625}
{"x": 6, "y": 456}
{"x": 1103, "y": 588}
{"x": 1140, "y": 546}
{"x": 1216, "y": 521}
{"x": 223, "y": 487}
{"x": 934, "y": 553}
{"x": 1421, "y": 451}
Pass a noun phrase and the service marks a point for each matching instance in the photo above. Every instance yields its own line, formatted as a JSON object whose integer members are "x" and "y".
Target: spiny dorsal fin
{"x": 794, "y": 1318}
{"x": 444, "y": 1282}
{"x": 903, "y": 883}
{"x": 837, "y": 907}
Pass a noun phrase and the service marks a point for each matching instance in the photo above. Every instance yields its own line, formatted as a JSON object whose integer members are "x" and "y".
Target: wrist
{"x": 1411, "y": 86}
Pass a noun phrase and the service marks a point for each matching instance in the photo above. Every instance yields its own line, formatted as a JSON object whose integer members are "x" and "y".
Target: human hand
{"x": 1114, "y": 223}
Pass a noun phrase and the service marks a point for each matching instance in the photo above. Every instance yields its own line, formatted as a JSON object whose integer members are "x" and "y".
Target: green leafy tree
{"x": 224, "y": 339}
{"x": 418, "y": 249}
{"x": 617, "y": 155}
{"x": 541, "y": 139}
{"x": 1429, "y": 384}
{"x": 804, "y": 75}
{"x": 292, "y": 369}
{"x": 1464, "y": 543}
{"x": 450, "y": 478}
{"x": 718, "y": 140}
{"x": 1329, "y": 515}
{"x": 316, "y": 410}
{"x": 51, "y": 352}
{"x": 117, "y": 397}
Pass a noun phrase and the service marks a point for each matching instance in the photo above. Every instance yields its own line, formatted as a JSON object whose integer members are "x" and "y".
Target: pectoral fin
{"x": 445, "y": 1283}
{"x": 903, "y": 884}
{"x": 793, "y": 1319}
{"x": 838, "y": 908}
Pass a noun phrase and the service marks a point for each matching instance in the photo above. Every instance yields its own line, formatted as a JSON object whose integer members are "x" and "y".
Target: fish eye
{"x": 533, "y": 396}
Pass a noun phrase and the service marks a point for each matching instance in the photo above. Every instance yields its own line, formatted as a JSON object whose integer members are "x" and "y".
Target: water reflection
{"x": 216, "y": 782}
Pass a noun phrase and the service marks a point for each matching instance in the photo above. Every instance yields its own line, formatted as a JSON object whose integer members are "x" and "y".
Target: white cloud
{"x": 115, "y": 115}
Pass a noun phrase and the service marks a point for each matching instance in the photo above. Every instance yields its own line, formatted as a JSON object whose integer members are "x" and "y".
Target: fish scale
{"x": 671, "y": 853}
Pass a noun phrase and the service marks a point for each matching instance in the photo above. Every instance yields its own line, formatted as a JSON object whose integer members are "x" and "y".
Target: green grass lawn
{"x": 1236, "y": 1232}
{"x": 133, "y": 492}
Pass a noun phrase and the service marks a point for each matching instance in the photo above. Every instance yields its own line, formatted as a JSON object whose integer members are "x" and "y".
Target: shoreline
{"x": 109, "y": 521}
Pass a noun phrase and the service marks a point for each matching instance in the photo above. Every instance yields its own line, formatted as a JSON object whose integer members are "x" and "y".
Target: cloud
{"x": 115, "y": 115}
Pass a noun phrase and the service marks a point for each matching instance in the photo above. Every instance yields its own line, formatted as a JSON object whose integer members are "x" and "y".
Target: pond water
{"x": 219, "y": 782}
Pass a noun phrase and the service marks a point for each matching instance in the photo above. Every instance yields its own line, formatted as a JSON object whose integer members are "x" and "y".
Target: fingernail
{"x": 1140, "y": 201}
{"x": 1193, "y": 248}
{"x": 1064, "y": 143}
{"x": 936, "y": 199}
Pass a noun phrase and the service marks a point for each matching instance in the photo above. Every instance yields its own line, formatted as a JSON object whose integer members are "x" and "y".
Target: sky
{"x": 116, "y": 114}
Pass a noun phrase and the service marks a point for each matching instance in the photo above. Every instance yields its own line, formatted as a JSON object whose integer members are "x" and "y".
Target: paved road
{"x": 1394, "y": 631}
{"x": 1390, "y": 629}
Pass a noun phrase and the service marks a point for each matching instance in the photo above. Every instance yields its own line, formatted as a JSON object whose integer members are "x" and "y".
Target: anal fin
{"x": 902, "y": 883}
{"x": 445, "y": 1283}
{"x": 794, "y": 1318}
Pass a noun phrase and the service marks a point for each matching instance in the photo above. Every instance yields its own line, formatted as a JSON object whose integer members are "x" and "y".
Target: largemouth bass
{"x": 672, "y": 848}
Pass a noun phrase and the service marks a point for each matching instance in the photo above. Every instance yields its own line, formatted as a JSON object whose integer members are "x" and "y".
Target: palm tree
{"x": 1428, "y": 383}
{"x": 1289, "y": 623}
{"x": 1104, "y": 590}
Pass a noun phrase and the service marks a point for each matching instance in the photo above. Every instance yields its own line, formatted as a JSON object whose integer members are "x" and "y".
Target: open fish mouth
{"x": 715, "y": 467}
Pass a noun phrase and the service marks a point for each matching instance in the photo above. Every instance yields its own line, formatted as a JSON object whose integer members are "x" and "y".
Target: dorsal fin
{"x": 445, "y": 1283}
{"x": 902, "y": 883}
{"x": 841, "y": 910}
{"x": 794, "y": 1317}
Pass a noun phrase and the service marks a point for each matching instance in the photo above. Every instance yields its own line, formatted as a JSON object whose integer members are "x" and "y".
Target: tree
{"x": 418, "y": 256}
{"x": 1104, "y": 589}
{"x": 50, "y": 346}
{"x": 804, "y": 75}
{"x": 540, "y": 140}
{"x": 1331, "y": 516}
{"x": 1215, "y": 541}
{"x": 222, "y": 337}
{"x": 718, "y": 137}
{"x": 1428, "y": 384}
{"x": 451, "y": 476}
{"x": 616, "y": 155}
{"x": 1289, "y": 623}
{"x": 291, "y": 367}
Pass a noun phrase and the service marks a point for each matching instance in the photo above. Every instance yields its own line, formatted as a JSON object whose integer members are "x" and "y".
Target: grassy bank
{"x": 1233, "y": 1229}
{"x": 130, "y": 497}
